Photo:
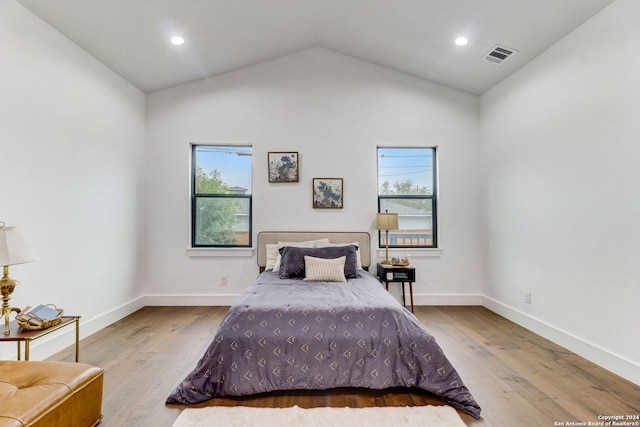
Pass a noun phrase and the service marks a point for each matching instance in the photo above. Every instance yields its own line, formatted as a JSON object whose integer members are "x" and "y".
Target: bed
{"x": 341, "y": 329}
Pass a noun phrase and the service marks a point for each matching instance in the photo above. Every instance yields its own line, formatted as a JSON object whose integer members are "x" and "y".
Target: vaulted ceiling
{"x": 412, "y": 36}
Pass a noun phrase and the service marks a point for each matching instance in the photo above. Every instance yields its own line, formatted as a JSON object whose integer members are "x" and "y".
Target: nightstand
{"x": 21, "y": 335}
{"x": 389, "y": 273}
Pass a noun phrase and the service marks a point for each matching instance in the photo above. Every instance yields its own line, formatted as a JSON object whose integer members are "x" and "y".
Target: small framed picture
{"x": 283, "y": 166}
{"x": 327, "y": 193}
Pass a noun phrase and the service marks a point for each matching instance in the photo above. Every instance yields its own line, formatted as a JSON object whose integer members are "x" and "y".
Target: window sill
{"x": 219, "y": 252}
{"x": 413, "y": 253}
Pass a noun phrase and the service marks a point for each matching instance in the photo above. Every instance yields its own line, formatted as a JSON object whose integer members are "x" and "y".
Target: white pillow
{"x": 325, "y": 270}
{"x": 356, "y": 244}
{"x": 272, "y": 256}
{"x": 273, "y": 251}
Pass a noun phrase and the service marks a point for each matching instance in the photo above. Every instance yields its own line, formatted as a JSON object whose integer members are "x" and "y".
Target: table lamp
{"x": 387, "y": 221}
{"x": 13, "y": 250}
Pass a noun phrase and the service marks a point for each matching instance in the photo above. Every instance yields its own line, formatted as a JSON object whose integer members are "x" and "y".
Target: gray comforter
{"x": 292, "y": 334}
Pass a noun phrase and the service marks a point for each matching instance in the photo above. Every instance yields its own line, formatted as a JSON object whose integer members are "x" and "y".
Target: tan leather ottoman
{"x": 50, "y": 394}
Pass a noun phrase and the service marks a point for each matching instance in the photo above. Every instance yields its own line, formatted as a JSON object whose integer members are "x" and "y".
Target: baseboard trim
{"x": 446, "y": 299}
{"x": 190, "y": 300}
{"x": 621, "y": 366}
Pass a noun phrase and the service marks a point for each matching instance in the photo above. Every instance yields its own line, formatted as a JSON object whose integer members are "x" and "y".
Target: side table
{"x": 390, "y": 273}
{"x": 20, "y": 335}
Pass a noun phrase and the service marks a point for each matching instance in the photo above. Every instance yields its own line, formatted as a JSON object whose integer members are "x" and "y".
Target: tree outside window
{"x": 221, "y": 196}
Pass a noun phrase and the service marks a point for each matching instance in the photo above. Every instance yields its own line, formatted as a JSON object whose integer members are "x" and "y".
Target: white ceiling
{"x": 413, "y": 36}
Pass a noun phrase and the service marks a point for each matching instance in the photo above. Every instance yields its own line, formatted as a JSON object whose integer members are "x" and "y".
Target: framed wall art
{"x": 283, "y": 166}
{"x": 327, "y": 193}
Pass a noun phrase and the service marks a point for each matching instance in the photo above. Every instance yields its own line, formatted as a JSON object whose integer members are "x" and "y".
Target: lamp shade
{"x": 387, "y": 221}
{"x": 13, "y": 249}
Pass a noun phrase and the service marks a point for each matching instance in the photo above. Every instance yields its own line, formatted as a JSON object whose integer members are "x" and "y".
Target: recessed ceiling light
{"x": 177, "y": 40}
{"x": 462, "y": 41}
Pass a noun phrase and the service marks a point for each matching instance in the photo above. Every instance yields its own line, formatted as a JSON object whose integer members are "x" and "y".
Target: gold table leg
{"x": 77, "y": 339}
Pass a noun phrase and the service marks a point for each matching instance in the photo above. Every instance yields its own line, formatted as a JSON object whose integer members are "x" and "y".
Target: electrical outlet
{"x": 223, "y": 279}
{"x": 527, "y": 297}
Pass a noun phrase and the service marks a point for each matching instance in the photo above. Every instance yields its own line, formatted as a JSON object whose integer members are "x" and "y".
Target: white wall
{"x": 561, "y": 214}
{"x": 334, "y": 110}
{"x": 71, "y": 150}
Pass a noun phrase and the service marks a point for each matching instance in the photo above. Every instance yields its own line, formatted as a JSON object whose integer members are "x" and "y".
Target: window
{"x": 407, "y": 186}
{"x": 220, "y": 196}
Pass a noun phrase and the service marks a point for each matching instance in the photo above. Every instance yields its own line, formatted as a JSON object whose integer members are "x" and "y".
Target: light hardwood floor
{"x": 517, "y": 377}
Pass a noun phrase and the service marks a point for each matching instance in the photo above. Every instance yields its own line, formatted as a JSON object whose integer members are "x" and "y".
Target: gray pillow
{"x": 292, "y": 259}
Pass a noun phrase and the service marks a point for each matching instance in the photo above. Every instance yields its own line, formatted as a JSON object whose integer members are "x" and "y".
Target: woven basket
{"x": 30, "y": 322}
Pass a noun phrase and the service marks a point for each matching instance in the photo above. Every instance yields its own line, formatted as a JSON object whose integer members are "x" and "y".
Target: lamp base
{"x": 7, "y": 285}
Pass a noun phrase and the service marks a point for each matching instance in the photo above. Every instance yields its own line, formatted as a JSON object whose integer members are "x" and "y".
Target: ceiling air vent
{"x": 499, "y": 54}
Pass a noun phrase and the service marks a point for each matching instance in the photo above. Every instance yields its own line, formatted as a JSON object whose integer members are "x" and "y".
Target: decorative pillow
{"x": 325, "y": 270}
{"x": 276, "y": 256}
{"x": 272, "y": 256}
{"x": 292, "y": 264}
{"x": 322, "y": 245}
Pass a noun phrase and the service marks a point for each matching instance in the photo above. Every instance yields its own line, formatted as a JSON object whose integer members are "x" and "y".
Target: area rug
{"x": 240, "y": 416}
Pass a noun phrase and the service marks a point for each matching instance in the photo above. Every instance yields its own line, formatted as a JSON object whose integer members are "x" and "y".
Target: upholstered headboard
{"x": 272, "y": 237}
